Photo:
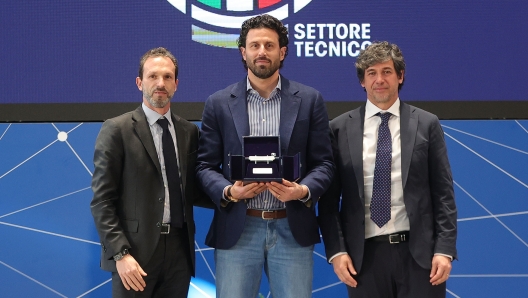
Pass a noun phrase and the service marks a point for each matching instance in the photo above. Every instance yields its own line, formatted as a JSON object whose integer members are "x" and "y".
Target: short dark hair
{"x": 264, "y": 21}
{"x": 158, "y": 52}
{"x": 379, "y": 52}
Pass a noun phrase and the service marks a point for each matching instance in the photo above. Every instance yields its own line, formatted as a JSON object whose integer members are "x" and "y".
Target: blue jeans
{"x": 267, "y": 244}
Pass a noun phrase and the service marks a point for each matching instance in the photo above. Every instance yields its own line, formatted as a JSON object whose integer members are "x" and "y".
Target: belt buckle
{"x": 396, "y": 237}
{"x": 264, "y": 212}
{"x": 163, "y": 230}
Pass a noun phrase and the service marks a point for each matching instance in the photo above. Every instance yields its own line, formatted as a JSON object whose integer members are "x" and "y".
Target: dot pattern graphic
{"x": 380, "y": 207}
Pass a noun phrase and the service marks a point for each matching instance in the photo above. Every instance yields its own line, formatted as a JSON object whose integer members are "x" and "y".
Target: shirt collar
{"x": 371, "y": 109}
{"x": 153, "y": 116}
{"x": 248, "y": 84}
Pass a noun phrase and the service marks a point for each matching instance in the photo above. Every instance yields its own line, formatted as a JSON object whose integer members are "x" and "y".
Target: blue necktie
{"x": 173, "y": 176}
{"x": 380, "y": 206}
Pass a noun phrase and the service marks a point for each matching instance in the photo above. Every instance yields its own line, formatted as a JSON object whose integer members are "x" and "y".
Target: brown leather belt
{"x": 267, "y": 214}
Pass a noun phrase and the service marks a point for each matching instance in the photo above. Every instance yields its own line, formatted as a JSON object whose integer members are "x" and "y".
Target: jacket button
{"x": 160, "y": 200}
{"x": 158, "y": 224}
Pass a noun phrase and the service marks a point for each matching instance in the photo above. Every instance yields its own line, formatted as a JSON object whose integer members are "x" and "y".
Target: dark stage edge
{"x": 97, "y": 112}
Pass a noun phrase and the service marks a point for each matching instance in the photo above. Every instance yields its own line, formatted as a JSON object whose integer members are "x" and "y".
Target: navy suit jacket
{"x": 303, "y": 128}
{"x": 427, "y": 188}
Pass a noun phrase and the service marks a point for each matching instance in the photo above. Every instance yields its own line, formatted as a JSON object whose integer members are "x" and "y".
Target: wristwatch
{"x": 229, "y": 196}
{"x": 120, "y": 255}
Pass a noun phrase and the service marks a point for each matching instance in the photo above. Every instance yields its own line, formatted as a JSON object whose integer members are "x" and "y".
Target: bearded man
{"x": 144, "y": 189}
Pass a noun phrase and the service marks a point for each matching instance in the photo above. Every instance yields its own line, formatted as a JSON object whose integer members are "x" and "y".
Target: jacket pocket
{"x": 130, "y": 225}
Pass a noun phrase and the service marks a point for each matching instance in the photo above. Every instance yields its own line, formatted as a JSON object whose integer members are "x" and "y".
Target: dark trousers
{"x": 168, "y": 271}
{"x": 390, "y": 271}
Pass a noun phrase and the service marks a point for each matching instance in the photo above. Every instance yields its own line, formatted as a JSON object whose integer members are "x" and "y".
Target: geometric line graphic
{"x": 199, "y": 290}
{"x": 488, "y": 161}
{"x": 454, "y": 295}
{"x": 328, "y": 286}
{"x": 49, "y": 233}
{"x": 526, "y": 130}
{"x": 484, "y": 139}
{"x": 488, "y": 275}
{"x": 23, "y": 162}
{"x": 95, "y": 288}
{"x": 491, "y": 214}
{"x": 490, "y": 205}
{"x": 79, "y": 158}
{"x": 32, "y": 279}
{"x": 69, "y": 145}
{"x": 5, "y": 131}
{"x": 205, "y": 260}
{"x": 491, "y": 256}
{"x": 319, "y": 255}
{"x": 41, "y": 203}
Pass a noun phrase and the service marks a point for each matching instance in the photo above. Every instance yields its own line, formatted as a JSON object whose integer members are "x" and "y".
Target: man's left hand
{"x": 287, "y": 191}
{"x": 440, "y": 270}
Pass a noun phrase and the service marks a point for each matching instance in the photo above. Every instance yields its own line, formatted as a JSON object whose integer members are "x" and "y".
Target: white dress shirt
{"x": 399, "y": 220}
{"x": 157, "y": 133}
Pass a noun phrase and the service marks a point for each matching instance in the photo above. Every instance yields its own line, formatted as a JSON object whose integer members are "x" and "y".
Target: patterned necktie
{"x": 173, "y": 176}
{"x": 380, "y": 206}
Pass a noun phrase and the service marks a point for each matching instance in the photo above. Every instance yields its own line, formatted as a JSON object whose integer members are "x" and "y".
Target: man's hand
{"x": 440, "y": 270}
{"x": 287, "y": 191}
{"x": 131, "y": 273}
{"x": 344, "y": 269}
{"x": 239, "y": 191}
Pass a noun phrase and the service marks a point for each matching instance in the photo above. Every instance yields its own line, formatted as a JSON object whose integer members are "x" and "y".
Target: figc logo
{"x": 218, "y": 20}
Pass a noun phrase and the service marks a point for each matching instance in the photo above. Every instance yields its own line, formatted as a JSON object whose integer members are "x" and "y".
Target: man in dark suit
{"x": 264, "y": 225}
{"x": 144, "y": 189}
{"x": 389, "y": 218}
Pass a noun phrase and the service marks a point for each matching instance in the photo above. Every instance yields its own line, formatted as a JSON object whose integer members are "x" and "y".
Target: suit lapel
{"x": 238, "y": 107}
{"x": 290, "y": 104}
{"x": 354, "y": 129}
{"x": 142, "y": 129}
{"x": 182, "y": 139}
{"x": 408, "y": 128}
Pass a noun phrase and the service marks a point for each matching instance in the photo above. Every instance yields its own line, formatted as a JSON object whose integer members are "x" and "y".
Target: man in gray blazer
{"x": 388, "y": 221}
{"x": 144, "y": 189}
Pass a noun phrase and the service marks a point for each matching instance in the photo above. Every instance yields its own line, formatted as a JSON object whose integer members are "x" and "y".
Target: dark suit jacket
{"x": 129, "y": 195}
{"x": 303, "y": 128}
{"x": 427, "y": 187}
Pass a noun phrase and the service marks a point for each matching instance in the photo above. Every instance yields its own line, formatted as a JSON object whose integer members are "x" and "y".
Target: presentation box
{"x": 262, "y": 161}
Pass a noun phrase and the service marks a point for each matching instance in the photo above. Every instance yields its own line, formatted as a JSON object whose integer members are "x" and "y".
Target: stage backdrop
{"x": 49, "y": 246}
{"x": 86, "y": 52}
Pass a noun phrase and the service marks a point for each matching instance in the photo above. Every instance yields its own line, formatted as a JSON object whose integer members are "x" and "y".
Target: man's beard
{"x": 381, "y": 98}
{"x": 157, "y": 103}
{"x": 263, "y": 72}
